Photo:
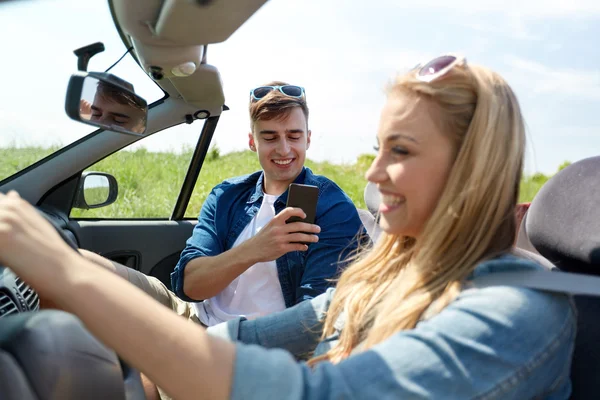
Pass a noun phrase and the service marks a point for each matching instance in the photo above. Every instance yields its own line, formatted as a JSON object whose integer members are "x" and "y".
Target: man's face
{"x": 109, "y": 112}
{"x": 281, "y": 146}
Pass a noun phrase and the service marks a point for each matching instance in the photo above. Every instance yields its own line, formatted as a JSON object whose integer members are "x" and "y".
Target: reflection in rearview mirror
{"x": 101, "y": 100}
{"x": 111, "y": 107}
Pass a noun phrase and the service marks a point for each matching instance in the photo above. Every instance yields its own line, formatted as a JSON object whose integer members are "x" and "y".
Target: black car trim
{"x": 196, "y": 163}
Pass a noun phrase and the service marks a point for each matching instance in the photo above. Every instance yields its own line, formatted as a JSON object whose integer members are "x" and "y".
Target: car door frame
{"x": 51, "y": 184}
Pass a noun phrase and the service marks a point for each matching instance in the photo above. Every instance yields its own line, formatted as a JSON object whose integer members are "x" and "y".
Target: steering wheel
{"x": 28, "y": 336}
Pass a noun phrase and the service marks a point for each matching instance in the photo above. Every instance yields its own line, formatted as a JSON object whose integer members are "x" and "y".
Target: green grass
{"x": 149, "y": 182}
{"x": 16, "y": 159}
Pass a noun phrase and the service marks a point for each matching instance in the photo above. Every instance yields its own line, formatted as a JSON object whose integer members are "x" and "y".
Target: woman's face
{"x": 412, "y": 165}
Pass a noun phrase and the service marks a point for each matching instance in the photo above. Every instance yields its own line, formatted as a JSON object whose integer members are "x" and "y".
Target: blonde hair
{"x": 402, "y": 280}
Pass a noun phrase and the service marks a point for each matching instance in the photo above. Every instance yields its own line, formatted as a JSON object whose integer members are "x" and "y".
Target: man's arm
{"x": 206, "y": 276}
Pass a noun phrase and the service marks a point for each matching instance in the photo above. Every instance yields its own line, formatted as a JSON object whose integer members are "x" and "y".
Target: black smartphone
{"x": 304, "y": 197}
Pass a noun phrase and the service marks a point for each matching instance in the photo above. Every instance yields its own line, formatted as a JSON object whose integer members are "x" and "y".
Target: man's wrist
{"x": 248, "y": 254}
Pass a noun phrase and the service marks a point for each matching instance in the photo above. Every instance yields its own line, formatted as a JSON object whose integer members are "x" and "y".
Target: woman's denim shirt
{"x": 498, "y": 342}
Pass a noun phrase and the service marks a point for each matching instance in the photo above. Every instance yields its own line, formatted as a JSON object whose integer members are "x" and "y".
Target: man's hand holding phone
{"x": 279, "y": 237}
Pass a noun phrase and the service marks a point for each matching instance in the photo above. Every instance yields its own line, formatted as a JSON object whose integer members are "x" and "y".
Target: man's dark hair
{"x": 119, "y": 95}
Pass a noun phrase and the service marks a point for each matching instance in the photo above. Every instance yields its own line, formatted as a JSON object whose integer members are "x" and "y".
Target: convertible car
{"x": 47, "y": 354}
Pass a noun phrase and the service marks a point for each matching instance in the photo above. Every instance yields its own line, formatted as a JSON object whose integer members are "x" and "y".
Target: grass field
{"x": 149, "y": 182}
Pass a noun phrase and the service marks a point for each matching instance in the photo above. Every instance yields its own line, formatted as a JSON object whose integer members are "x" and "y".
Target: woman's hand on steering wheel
{"x": 31, "y": 246}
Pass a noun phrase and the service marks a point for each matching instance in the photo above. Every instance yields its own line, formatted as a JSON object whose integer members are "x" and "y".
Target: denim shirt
{"x": 498, "y": 342}
{"x": 230, "y": 207}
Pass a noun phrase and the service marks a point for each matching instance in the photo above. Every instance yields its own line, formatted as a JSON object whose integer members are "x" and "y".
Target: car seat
{"x": 49, "y": 355}
{"x": 563, "y": 225}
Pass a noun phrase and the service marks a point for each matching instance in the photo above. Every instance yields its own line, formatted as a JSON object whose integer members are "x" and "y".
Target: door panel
{"x": 152, "y": 247}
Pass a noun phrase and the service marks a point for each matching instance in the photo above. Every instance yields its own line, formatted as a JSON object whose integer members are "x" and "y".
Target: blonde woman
{"x": 404, "y": 321}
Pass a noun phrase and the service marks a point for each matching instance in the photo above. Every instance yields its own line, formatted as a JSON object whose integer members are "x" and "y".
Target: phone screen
{"x": 304, "y": 197}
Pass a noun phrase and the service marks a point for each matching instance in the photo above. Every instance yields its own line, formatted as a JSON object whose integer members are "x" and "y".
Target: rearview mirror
{"x": 106, "y": 101}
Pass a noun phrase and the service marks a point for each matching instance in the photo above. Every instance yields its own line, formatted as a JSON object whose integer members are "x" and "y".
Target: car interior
{"x": 48, "y": 354}
{"x": 563, "y": 225}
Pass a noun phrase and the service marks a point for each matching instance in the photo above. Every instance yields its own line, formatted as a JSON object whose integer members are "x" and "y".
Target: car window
{"x": 149, "y": 180}
{"x": 37, "y": 61}
{"x": 216, "y": 168}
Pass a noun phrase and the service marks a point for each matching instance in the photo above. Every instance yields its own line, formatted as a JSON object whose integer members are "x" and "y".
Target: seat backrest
{"x": 50, "y": 355}
{"x": 563, "y": 225}
{"x": 13, "y": 382}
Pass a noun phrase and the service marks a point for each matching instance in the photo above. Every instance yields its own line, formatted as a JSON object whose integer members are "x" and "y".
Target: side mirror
{"x": 96, "y": 189}
{"x": 106, "y": 101}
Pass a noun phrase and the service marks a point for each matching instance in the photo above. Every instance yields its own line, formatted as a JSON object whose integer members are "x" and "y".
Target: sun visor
{"x": 169, "y": 36}
{"x": 203, "y": 21}
{"x": 159, "y": 57}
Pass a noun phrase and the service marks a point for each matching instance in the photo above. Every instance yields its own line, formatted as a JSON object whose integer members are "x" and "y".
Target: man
{"x": 243, "y": 259}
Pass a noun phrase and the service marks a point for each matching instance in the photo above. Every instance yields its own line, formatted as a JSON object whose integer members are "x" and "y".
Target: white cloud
{"x": 542, "y": 79}
{"x": 516, "y": 28}
{"x": 528, "y": 8}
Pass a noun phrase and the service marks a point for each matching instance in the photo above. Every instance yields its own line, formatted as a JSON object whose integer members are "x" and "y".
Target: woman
{"x": 403, "y": 321}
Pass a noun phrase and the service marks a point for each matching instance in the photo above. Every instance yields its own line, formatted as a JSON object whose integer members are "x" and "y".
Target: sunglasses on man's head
{"x": 438, "y": 67}
{"x": 288, "y": 90}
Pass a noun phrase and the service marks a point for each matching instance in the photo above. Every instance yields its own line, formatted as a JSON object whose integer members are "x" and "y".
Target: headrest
{"x": 563, "y": 221}
{"x": 372, "y": 198}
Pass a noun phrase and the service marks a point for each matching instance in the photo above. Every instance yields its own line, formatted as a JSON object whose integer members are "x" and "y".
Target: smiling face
{"x": 413, "y": 162}
{"x": 281, "y": 145}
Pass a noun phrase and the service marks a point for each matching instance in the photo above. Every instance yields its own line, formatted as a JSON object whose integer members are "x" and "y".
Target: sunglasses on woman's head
{"x": 438, "y": 67}
{"x": 288, "y": 90}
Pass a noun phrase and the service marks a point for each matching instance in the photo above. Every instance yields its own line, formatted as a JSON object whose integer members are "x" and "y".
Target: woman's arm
{"x": 167, "y": 348}
{"x": 177, "y": 355}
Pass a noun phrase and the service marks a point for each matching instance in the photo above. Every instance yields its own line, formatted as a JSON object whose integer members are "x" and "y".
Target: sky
{"x": 343, "y": 52}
